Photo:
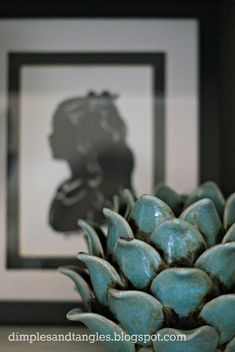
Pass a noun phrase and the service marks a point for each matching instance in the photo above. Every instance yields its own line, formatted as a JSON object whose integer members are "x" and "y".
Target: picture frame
{"x": 54, "y": 311}
{"x": 17, "y": 61}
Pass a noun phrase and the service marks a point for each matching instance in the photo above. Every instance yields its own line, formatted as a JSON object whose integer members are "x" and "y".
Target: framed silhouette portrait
{"x": 84, "y": 119}
{"x": 88, "y": 108}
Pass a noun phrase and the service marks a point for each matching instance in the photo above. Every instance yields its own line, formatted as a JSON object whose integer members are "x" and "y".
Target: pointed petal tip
{"x": 111, "y": 214}
{"x": 82, "y": 255}
{"x": 81, "y": 221}
{"x": 61, "y": 269}
{"x": 85, "y": 226}
{"x": 74, "y": 314}
{"x": 93, "y": 242}
{"x": 65, "y": 269}
{"x": 107, "y": 212}
{"x": 126, "y": 191}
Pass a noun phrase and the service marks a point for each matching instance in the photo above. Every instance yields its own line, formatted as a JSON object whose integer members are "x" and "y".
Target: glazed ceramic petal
{"x": 170, "y": 197}
{"x": 130, "y": 202}
{"x": 220, "y": 313}
{"x": 230, "y": 346}
{"x": 229, "y": 211}
{"x": 219, "y": 263}
{"x": 184, "y": 290}
{"x": 81, "y": 286}
{"x": 153, "y": 271}
{"x": 208, "y": 190}
{"x": 117, "y": 227}
{"x": 119, "y": 205}
{"x": 203, "y": 339}
{"x": 138, "y": 312}
{"x": 124, "y": 202}
{"x": 205, "y": 218}
{"x": 148, "y": 213}
{"x": 94, "y": 244}
{"x": 98, "y": 324}
{"x": 179, "y": 241}
{"x": 100, "y": 233}
{"x": 103, "y": 275}
{"x": 116, "y": 203}
{"x": 230, "y": 235}
{"x": 138, "y": 261}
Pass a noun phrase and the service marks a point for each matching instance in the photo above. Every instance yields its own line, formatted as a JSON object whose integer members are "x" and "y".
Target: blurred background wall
{"x": 217, "y": 20}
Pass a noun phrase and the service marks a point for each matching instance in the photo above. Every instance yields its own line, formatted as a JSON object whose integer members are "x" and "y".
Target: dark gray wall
{"x": 227, "y": 96}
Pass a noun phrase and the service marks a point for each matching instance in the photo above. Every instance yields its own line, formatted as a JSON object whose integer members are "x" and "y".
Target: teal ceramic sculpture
{"x": 155, "y": 274}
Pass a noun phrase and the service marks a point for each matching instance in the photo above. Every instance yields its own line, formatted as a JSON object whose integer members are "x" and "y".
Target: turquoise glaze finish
{"x": 204, "y": 217}
{"x": 138, "y": 312}
{"x": 229, "y": 211}
{"x": 117, "y": 227}
{"x": 220, "y": 313}
{"x": 203, "y": 339}
{"x": 80, "y": 284}
{"x": 130, "y": 202}
{"x": 219, "y": 263}
{"x": 231, "y": 346}
{"x": 103, "y": 326}
{"x": 230, "y": 235}
{"x": 170, "y": 197}
{"x": 148, "y": 213}
{"x": 184, "y": 290}
{"x": 138, "y": 261}
{"x": 148, "y": 272}
{"x": 103, "y": 275}
{"x": 93, "y": 241}
{"x": 124, "y": 202}
{"x": 179, "y": 241}
{"x": 208, "y": 190}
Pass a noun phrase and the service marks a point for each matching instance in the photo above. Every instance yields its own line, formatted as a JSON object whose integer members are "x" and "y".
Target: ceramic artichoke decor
{"x": 158, "y": 274}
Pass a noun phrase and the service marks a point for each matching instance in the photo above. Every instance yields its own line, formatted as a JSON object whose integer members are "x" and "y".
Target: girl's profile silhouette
{"x": 90, "y": 135}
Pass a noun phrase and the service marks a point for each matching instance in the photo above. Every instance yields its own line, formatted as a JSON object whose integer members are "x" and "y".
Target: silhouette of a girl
{"x": 89, "y": 133}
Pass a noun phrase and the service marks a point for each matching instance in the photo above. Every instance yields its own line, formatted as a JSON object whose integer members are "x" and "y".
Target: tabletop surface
{"x": 13, "y": 332}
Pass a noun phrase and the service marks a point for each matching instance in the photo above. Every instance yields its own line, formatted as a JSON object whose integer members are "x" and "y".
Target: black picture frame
{"x": 216, "y": 103}
{"x": 16, "y": 61}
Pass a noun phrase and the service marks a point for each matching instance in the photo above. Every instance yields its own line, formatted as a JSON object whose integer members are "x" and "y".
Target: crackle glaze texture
{"x": 166, "y": 265}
